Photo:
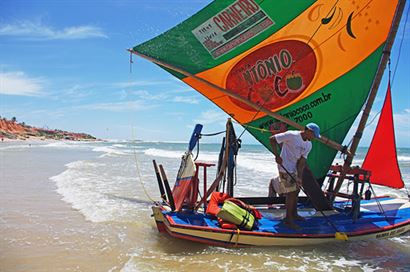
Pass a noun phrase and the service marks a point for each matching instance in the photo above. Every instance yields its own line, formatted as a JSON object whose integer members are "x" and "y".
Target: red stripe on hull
{"x": 161, "y": 226}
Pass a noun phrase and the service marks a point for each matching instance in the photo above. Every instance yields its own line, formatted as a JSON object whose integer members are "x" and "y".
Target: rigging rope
{"x": 401, "y": 43}
{"x": 197, "y": 149}
{"x": 378, "y": 202}
{"x": 140, "y": 177}
{"x": 407, "y": 190}
{"x": 320, "y": 25}
{"x": 349, "y": 200}
{"x": 252, "y": 127}
{"x": 134, "y": 148}
{"x": 138, "y": 170}
{"x": 131, "y": 62}
{"x": 212, "y": 134}
{"x": 377, "y": 114}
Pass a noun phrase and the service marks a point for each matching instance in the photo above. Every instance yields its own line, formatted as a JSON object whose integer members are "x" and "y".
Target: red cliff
{"x": 10, "y": 129}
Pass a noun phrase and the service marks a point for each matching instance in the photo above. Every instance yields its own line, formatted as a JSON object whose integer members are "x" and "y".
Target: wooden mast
{"x": 230, "y": 93}
{"x": 373, "y": 92}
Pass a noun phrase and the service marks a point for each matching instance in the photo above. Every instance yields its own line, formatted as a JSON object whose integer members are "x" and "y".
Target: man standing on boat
{"x": 296, "y": 146}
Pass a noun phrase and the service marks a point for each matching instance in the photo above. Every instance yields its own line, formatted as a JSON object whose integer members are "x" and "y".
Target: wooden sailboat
{"x": 265, "y": 62}
{"x": 357, "y": 218}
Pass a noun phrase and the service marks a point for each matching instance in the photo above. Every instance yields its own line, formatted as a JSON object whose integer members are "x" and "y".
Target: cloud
{"x": 183, "y": 99}
{"x": 36, "y": 30}
{"x": 168, "y": 96}
{"x": 136, "y": 105}
{"x": 145, "y": 95}
{"x": 176, "y": 114}
{"x": 77, "y": 91}
{"x": 172, "y": 94}
{"x": 402, "y": 127}
{"x": 211, "y": 117}
{"x": 185, "y": 89}
{"x": 18, "y": 83}
{"x": 139, "y": 83}
{"x": 403, "y": 119}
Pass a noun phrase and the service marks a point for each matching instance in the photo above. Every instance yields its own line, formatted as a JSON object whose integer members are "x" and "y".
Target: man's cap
{"x": 315, "y": 128}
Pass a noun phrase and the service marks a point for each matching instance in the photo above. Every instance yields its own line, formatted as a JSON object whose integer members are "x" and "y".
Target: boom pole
{"x": 230, "y": 93}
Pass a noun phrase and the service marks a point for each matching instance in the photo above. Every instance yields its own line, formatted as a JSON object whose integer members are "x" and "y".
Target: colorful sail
{"x": 310, "y": 61}
{"x": 383, "y": 165}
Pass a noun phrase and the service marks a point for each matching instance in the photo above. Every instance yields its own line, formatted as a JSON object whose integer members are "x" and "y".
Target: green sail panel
{"x": 310, "y": 61}
{"x": 334, "y": 108}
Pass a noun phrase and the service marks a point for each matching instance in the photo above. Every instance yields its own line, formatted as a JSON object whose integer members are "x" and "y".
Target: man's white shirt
{"x": 293, "y": 148}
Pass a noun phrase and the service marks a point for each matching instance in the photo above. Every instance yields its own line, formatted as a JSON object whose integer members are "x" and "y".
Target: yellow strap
{"x": 341, "y": 236}
{"x": 237, "y": 237}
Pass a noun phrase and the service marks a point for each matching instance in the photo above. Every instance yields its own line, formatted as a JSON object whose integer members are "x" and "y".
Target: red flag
{"x": 381, "y": 158}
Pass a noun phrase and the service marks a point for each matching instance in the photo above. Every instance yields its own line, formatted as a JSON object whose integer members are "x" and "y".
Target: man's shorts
{"x": 284, "y": 183}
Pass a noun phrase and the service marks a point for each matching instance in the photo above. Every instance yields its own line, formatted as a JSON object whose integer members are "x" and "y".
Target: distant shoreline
{"x": 11, "y": 130}
{"x": 34, "y": 139}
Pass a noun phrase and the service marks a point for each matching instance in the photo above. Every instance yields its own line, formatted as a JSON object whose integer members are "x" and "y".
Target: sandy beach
{"x": 39, "y": 232}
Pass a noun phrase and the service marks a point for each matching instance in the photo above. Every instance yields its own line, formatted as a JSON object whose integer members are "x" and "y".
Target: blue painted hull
{"x": 270, "y": 231}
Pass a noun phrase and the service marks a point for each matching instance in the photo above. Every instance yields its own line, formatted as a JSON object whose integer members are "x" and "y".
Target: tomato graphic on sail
{"x": 273, "y": 75}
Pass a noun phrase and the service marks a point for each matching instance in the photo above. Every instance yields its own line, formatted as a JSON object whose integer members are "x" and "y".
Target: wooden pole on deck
{"x": 230, "y": 93}
{"x": 373, "y": 92}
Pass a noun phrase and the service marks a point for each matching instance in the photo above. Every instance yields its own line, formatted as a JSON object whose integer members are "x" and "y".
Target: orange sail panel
{"x": 381, "y": 159}
{"x": 309, "y": 61}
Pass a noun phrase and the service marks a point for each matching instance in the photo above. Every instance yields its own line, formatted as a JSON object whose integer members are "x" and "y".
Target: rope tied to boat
{"x": 140, "y": 178}
{"x": 237, "y": 232}
{"x": 137, "y": 168}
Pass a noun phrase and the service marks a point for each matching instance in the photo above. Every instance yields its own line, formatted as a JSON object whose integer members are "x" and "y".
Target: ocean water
{"x": 104, "y": 190}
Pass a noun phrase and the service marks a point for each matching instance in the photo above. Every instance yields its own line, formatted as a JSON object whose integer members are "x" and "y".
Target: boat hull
{"x": 315, "y": 229}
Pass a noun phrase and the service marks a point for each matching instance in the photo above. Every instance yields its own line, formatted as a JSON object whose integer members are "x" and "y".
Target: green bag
{"x": 232, "y": 213}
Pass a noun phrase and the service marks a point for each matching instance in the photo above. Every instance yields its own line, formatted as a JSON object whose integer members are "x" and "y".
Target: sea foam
{"x": 99, "y": 196}
{"x": 108, "y": 151}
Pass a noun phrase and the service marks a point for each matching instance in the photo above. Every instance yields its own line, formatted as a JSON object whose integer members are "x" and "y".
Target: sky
{"x": 64, "y": 65}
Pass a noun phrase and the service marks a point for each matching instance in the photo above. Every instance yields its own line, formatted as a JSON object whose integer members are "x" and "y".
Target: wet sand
{"x": 40, "y": 232}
